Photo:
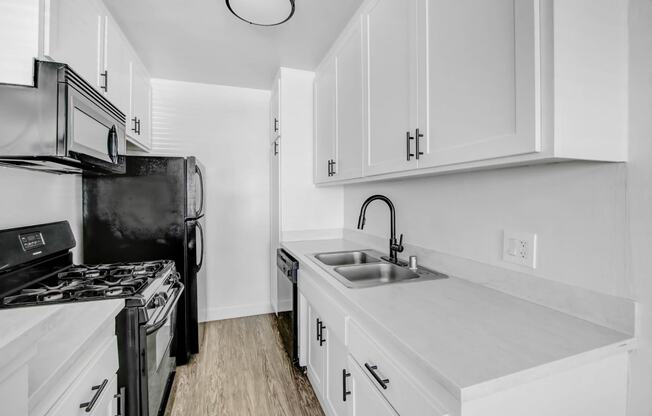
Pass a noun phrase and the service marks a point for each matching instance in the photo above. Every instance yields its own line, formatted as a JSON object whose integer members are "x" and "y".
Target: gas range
{"x": 36, "y": 268}
{"x": 137, "y": 282}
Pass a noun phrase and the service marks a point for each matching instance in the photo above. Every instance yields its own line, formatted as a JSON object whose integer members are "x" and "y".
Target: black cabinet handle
{"x": 333, "y": 167}
{"x": 275, "y": 147}
{"x": 105, "y": 85}
{"x": 382, "y": 381}
{"x": 318, "y": 329}
{"x": 345, "y": 392}
{"x": 330, "y": 172}
{"x": 275, "y": 125}
{"x": 407, "y": 145}
{"x": 418, "y": 135}
{"x": 138, "y": 126}
{"x": 135, "y": 127}
{"x": 98, "y": 392}
{"x": 321, "y": 334}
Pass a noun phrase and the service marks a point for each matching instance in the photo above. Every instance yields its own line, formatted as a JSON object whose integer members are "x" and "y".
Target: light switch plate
{"x": 520, "y": 248}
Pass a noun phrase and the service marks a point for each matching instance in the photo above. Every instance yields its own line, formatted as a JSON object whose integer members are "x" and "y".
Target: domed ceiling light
{"x": 262, "y": 12}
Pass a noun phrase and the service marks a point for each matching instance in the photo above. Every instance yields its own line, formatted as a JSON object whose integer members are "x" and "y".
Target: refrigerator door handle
{"x": 201, "y": 259}
{"x": 200, "y": 211}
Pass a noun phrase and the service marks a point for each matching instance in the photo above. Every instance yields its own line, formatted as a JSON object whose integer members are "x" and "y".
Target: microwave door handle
{"x": 112, "y": 144}
{"x": 169, "y": 307}
{"x": 201, "y": 232}
{"x": 200, "y": 211}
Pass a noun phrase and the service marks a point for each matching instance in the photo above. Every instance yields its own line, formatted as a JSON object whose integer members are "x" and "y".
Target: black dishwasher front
{"x": 287, "y": 303}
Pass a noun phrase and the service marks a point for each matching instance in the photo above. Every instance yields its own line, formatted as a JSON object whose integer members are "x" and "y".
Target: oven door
{"x": 160, "y": 359}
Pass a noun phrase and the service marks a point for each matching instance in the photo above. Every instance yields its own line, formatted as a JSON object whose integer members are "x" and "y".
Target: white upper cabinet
{"x": 115, "y": 68}
{"x": 477, "y": 84}
{"x": 138, "y": 123}
{"x": 457, "y": 85}
{"x": 325, "y": 123}
{"x": 275, "y": 112}
{"x": 73, "y": 35}
{"x": 350, "y": 105}
{"x": 391, "y": 83}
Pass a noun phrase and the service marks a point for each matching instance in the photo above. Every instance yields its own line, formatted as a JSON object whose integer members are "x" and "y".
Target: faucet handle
{"x": 399, "y": 247}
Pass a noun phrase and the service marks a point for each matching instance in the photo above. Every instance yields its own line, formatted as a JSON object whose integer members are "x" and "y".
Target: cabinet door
{"x": 391, "y": 84}
{"x": 365, "y": 400}
{"x": 316, "y": 355}
{"x": 73, "y": 36}
{"x": 337, "y": 375}
{"x": 275, "y": 112}
{"x": 138, "y": 128}
{"x": 325, "y": 130}
{"x": 275, "y": 217}
{"x": 116, "y": 65}
{"x": 477, "y": 80}
{"x": 350, "y": 105}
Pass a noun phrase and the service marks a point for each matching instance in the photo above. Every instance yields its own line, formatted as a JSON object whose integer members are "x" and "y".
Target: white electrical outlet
{"x": 520, "y": 248}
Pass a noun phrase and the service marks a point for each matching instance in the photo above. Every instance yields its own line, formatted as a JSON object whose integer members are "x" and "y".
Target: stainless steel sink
{"x": 365, "y": 268}
{"x": 342, "y": 258}
{"x": 372, "y": 274}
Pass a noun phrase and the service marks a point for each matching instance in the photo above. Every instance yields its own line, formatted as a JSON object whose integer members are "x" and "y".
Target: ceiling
{"x": 201, "y": 41}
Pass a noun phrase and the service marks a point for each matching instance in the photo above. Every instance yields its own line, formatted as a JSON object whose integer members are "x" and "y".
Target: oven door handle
{"x": 167, "y": 311}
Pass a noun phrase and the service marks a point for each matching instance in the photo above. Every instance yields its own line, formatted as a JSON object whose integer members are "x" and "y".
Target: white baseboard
{"x": 235, "y": 311}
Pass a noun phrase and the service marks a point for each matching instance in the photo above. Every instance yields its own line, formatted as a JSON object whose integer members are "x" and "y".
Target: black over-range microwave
{"x": 61, "y": 124}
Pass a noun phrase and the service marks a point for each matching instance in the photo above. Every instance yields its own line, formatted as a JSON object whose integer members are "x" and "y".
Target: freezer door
{"x": 195, "y": 182}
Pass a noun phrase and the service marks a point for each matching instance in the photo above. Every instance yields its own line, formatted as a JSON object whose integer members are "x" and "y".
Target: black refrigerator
{"x": 153, "y": 211}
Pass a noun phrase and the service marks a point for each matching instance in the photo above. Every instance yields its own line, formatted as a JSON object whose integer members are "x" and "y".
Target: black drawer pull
{"x": 417, "y": 136}
{"x": 98, "y": 392}
{"x": 345, "y": 392}
{"x": 321, "y": 333}
{"x": 407, "y": 145}
{"x": 318, "y": 329}
{"x": 382, "y": 381}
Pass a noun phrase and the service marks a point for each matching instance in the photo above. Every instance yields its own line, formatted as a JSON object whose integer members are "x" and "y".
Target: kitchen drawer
{"x": 101, "y": 371}
{"x": 400, "y": 390}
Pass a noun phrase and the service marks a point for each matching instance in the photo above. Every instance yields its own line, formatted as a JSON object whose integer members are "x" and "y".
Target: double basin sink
{"x": 365, "y": 268}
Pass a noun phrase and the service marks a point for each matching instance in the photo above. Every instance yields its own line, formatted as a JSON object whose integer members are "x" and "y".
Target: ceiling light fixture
{"x": 262, "y": 12}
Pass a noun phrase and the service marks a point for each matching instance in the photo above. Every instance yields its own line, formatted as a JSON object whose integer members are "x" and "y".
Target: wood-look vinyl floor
{"x": 242, "y": 370}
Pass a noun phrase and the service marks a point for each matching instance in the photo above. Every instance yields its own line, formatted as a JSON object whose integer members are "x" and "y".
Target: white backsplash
{"x": 30, "y": 198}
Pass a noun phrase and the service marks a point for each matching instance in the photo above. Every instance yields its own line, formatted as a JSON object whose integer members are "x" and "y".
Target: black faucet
{"x": 394, "y": 246}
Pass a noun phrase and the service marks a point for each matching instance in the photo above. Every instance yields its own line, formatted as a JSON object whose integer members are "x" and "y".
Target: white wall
{"x": 304, "y": 206}
{"x": 227, "y": 129}
{"x": 30, "y": 198}
{"x": 576, "y": 209}
{"x": 640, "y": 199}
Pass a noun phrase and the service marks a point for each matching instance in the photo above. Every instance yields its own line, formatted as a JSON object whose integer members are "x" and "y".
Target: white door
{"x": 116, "y": 64}
{"x": 325, "y": 129}
{"x": 275, "y": 112}
{"x": 391, "y": 84}
{"x": 476, "y": 80}
{"x": 316, "y": 355}
{"x": 365, "y": 398}
{"x": 350, "y": 105}
{"x": 275, "y": 217}
{"x": 74, "y": 36}
{"x": 337, "y": 375}
{"x": 138, "y": 128}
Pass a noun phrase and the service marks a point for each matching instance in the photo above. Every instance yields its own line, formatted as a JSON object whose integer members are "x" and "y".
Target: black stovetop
{"x": 87, "y": 282}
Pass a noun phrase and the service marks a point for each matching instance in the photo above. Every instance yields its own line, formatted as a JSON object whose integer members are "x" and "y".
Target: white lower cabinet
{"x": 93, "y": 392}
{"x": 364, "y": 400}
{"x": 316, "y": 350}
